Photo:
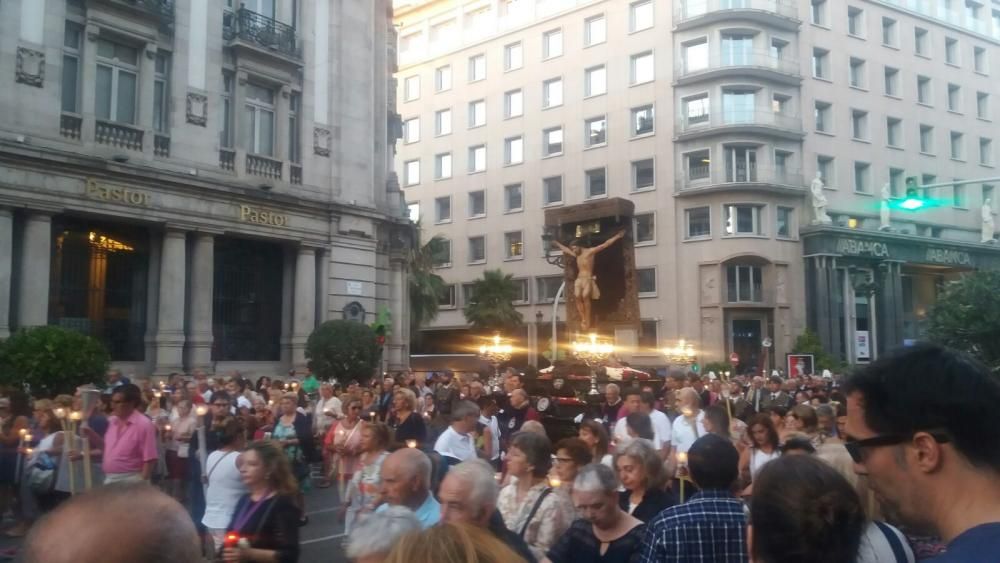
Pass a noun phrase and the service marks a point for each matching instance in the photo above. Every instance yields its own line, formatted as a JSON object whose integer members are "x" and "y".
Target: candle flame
{"x": 411, "y": 443}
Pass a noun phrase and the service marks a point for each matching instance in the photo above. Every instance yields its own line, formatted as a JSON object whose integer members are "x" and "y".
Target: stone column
{"x": 304, "y": 309}
{"x": 144, "y": 117}
{"x": 889, "y": 307}
{"x": 287, "y": 290}
{"x": 199, "y": 337}
{"x": 36, "y": 259}
{"x": 170, "y": 321}
{"x": 6, "y": 268}
{"x": 152, "y": 299}
{"x": 399, "y": 357}
{"x": 820, "y": 312}
{"x": 322, "y": 286}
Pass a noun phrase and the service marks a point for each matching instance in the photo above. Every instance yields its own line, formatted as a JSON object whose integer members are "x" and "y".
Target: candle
{"x": 88, "y": 480}
{"x": 411, "y": 443}
{"x": 201, "y": 410}
{"x": 60, "y": 413}
{"x": 28, "y": 438}
{"x": 687, "y": 412}
{"x": 166, "y": 428}
{"x": 555, "y": 482}
{"x": 76, "y": 416}
{"x": 682, "y": 458}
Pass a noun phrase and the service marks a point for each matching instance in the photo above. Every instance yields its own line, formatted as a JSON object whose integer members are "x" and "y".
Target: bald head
{"x": 122, "y": 523}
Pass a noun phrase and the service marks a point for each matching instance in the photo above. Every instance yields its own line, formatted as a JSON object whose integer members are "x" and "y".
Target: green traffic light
{"x": 912, "y": 204}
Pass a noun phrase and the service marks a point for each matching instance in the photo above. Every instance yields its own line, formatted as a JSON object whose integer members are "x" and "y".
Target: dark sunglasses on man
{"x": 857, "y": 447}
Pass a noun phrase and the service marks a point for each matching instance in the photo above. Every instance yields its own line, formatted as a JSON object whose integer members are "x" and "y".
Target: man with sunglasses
{"x": 924, "y": 426}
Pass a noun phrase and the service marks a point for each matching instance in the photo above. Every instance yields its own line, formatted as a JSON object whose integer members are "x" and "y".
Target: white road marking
{"x": 322, "y": 539}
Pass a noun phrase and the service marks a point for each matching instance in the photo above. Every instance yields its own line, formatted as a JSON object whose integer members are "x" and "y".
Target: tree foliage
{"x": 491, "y": 308}
{"x": 426, "y": 287}
{"x": 809, "y": 343}
{"x": 52, "y": 360}
{"x": 343, "y": 350}
{"x": 967, "y": 316}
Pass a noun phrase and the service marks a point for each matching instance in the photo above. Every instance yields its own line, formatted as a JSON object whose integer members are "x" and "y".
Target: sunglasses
{"x": 857, "y": 447}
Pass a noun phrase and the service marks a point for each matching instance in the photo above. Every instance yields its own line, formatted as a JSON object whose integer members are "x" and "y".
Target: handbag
{"x": 42, "y": 474}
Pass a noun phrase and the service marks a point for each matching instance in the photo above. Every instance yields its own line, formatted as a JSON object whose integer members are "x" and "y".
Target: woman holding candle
{"x": 405, "y": 422}
{"x": 14, "y": 413}
{"x": 363, "y": 490}
{"x": 182, "y": 427}
{"x": 292, "y": 431}
{"x": 641, "y": 472}
{"x": 343, "y": 441}
{"x": 39, "y": 453}
{"x": 266, "y": 520}
{"x": 368, "y": 403}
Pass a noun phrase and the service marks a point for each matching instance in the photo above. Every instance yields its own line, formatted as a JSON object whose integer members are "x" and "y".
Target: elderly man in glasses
{"x": 924, "y": 427}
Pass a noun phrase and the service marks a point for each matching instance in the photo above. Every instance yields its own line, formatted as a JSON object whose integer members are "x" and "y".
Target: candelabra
{"x": 496, "y": 352}
{"x": 593, "y": 352}
{"x": 684, "y": 353}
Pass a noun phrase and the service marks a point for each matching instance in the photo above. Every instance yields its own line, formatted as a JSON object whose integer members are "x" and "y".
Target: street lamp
{"x": 684, "y": 353}
{"x": 593, "y": 352}
{"x": 496, "y": 352}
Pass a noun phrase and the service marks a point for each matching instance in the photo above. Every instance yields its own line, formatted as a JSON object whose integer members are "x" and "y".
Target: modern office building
{"x": 713, "y": 117}
{"x": 199, "y": 183}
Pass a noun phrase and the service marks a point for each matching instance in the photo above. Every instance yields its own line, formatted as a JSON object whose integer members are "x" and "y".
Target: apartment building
{"x": 713, "y": 117}
{"x": 174, "y": 181}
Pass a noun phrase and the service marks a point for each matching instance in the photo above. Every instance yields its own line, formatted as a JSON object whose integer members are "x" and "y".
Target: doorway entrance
{"x": 747, "y": 335}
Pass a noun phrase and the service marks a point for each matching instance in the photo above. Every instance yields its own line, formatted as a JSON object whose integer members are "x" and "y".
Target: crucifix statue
{"x": 585, "y": 287}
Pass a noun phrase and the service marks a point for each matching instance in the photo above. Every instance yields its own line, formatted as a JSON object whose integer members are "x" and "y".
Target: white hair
{"x": 379, "y": 532}
{"x": 596, "y": 478}
{"x": 477, "y": 475}
{"x": 463, "y": 409}
{"x": 611, "y": 386}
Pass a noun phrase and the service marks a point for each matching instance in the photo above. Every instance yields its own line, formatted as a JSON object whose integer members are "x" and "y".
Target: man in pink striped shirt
{"x": 130, "y": 444}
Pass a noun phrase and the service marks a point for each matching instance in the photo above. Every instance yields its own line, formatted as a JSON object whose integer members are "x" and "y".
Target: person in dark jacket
{"x": 641, "y": 472}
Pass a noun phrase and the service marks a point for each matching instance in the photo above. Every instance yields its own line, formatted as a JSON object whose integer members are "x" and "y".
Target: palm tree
{"x": 426, "y": 288}
{"x": 491, "y": 307}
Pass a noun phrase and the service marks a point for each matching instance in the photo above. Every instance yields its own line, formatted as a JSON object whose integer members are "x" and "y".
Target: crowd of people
{"x": 898, "y": 462}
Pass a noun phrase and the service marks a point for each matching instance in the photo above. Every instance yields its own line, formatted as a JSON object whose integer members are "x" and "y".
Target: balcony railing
{"x": 161, "y": 145}
{"x": 70, "y": 126}
{"x": 685, "y": 10}
{"x": 262, "y": 31}
{"x": 700, "y": 177}
{"x": 767, "y": 119}
{"x": 295, "y": 174}
{"x": 263, "y": 166}
{"x": 118, "y": 135}
{"x": 738, "y": 59}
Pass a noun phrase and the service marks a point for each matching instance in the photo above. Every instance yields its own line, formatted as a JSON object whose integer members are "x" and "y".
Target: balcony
{"x": 295, "y": 174}
{"x": 161, "y": 12}
{"x": 261, "y": 33}
{"x": 118, "y": 135}
{"x": 757, "y": 64}
{"x": 161, "y": 145}
{"x": 70, "y": 126}
{"x": 227, "y": 160}
{"x": 743, "y": 122}
{"x": 264, "y": 167}
{"x": 699, "y": 180}
{"x": 783, "y": 14}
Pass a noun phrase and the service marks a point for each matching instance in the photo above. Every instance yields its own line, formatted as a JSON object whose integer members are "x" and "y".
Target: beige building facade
{"x": 175, "y": 181}
{"x": 714, "y": 117}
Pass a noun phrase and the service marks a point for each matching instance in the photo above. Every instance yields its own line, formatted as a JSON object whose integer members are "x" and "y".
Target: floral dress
{"x": 362, "y": 491}
{"x": 552, "y": 519}
{"x": 287, "y": 432}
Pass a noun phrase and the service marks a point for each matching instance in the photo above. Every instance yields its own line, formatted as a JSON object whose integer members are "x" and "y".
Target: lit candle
{"x": 411, "y": 443}
{"x": 88, "y": 480}
{"x": 372, "y": 415}
{"x": 157, "y": 394}
{"x": 28, "y": 438}
{"x": 60, "y": 413}
{"x": 76, "y": 416}
{"x": 682, "y": 458}
{"x": 555, "y": 482}
{"x": 201, "y": 410}
{"x": 166, "y": 428}
{"x": 687, "y": 412}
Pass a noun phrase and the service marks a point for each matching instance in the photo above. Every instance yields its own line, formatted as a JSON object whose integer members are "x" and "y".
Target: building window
{"x": 259, "y": 119}
{"x": 982, "y": 105}
{"x": 547, "y": 288}
{"x": 513, "y": 244}
{"x": 411, "y": 172}
{"x": 477, "y": 68}
{"x": 951, "y": 51}
{"x": 442, "y": 209}
{"x": 891, "y": 81}
{"x": 411, "y": 130}
{"x": 226, "y": 133}
{"x": 889, "y": 35}
{"x": 442, "y": 166}
{"x": 294, "y": 131}
{"x": 695, "y": 55}
{"x": 513, "y": 152}
{"x": 552, "y": 44}
{"x": 924, "y": 90}
{"x": 413, "y": 212}
{"x": 477, "y": 159}
{"x": 640, "y": 16}
{"x": 783, "y": 222}
{"x": 161, "y": 92}
{"x": 477, "y": 113}
{"x": 741, "y": 164}
{"x": 116, "y": 82}
{"x": 781, "y": 104}
{"x": 595, "y": 81}
{"x": 468, "y": 290}
{"x": 979, "y": 60}
{"x": 858, "y": 73}
{"x": 985, "y": 151}
{"x": 894, "y": 132}
{"x": 449, "y": 299}
{"x": 742, "y": 220}
{"x": 477, "y": 249}
{"x": 597, "y": 182}
{"x": 552, "y": 192}
{"x": 859, "y": 124}
{"x": 699, "y": 222}
{"x": 926, "y": 139}
{"x": 817, "y": 12}
{"x": 513, "y": 197}
{"x": 552, "y": 141}
{"x": 648, "y": 338}
{"x": 596, "y": 129}
{"x": 644, "y": 227}
{"x": 821, "y": 63}
{"x": 927, "y": 180}
{"x": 513, "y": 104}
{"x": 895, "y": 181}
{"x": 695, "y": 110}
{"x": 552, "y": 93}
{"x": 698, "y": 165}
{"x": 744, "y": 283}
{"x": 862, "y": 178}
{"x": 72, "y": 52}
{"x": 921, "y": 41}
{"x": 646, "y": 278}
{"x": 442, "y": 122}
{"x": 826, "y": 167}
{"x": 958, "y": 196}
{"x": 957, "y": 146}
{"x": 441, "y": 258}
{"x": 781, "y": 160}
{"x": 824, "y": 121}
{"x": 595, "y": 30}
{"x": 737, "y": 49}
{"x": 988, "y": 195}
{"x": 643, "y": 175}
{"x": 954, "y": 98}
{"x": 641, "y": 68}
{"x": 477, "y": 204}
{"x": 442, "y": 78}
{"x": 856, "y": 22}
{"x": 513, "y": 56}
{"x": 643, "y": 121}
{"x": 411, "y": 88}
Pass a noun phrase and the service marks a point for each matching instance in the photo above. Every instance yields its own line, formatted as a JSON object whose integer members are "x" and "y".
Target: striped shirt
{"x": 711, "y": 526}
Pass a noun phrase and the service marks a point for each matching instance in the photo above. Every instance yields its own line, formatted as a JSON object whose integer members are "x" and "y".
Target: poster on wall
{"x": 798, "y": 365}
{"x": 862, "y": 345}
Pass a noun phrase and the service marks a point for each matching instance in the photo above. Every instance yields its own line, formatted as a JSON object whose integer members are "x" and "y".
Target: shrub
{"x": 50, "y": 360}
{"x": 343, "y": 350}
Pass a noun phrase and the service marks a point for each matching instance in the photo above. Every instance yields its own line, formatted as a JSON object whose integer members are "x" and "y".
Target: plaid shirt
{"x": 711, "y": 526}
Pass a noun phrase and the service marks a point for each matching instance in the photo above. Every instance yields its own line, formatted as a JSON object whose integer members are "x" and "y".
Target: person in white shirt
{"x": 690, "y": 425}
{"x": 456, "y": 441}
{"x": 661, "y": 424}
{"x": 633, "y": 402}
{"x": 488, "y": 419}
{"x": 328, "y": 409}
{"x": 225, "y": 485}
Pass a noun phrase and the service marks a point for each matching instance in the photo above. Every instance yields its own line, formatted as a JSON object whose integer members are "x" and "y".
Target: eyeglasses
{"x": 857, "y": 447}
{"x": 564, "y": 460}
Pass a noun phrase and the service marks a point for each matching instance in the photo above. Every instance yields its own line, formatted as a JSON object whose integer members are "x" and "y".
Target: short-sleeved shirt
{"x": 129, "y": 443}
{"x": 973, "y": 545}
{"x": 454, "y": 445}
{"x": 428, "y": 513}
{"x": 580, "y": 545}
{"x": 686, "y": 431}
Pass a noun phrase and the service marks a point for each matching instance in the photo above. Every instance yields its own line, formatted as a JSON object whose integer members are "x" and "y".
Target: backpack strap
{"x": 894, "y": 543}
{"x": 538, "y": 503}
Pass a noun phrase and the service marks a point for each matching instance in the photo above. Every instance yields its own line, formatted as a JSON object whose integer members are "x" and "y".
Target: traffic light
{"x": 913, "y": 199}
